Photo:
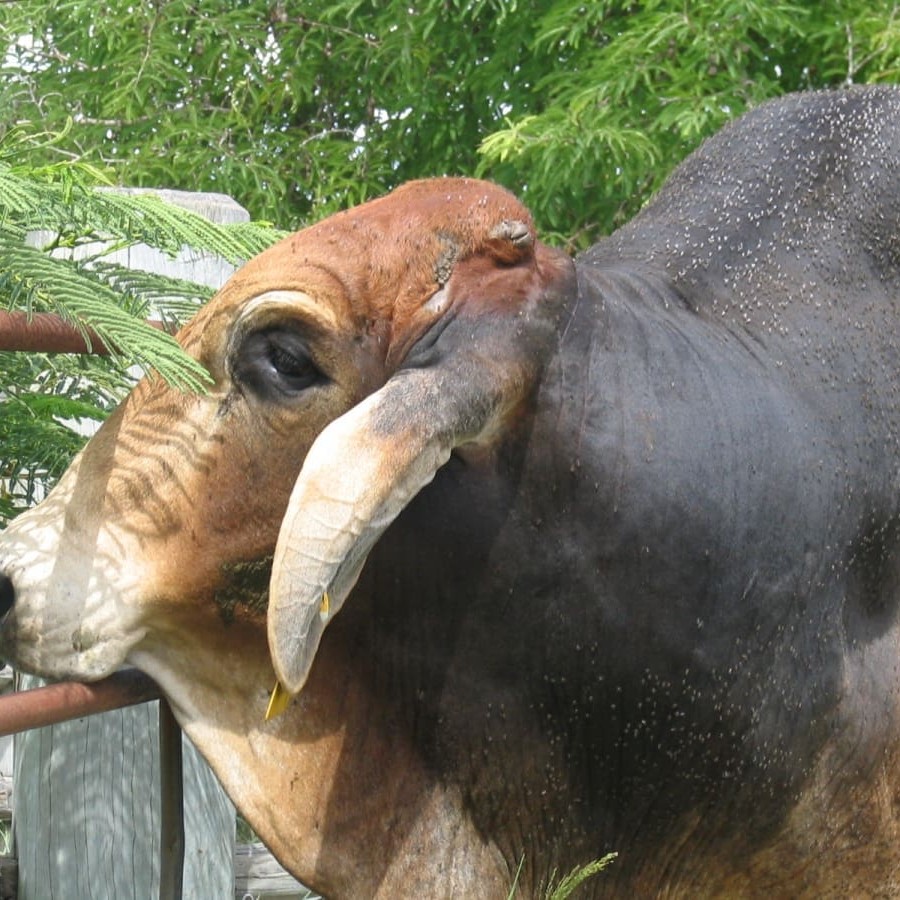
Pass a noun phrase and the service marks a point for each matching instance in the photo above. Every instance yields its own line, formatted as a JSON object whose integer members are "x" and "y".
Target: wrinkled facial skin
{"x": 175, "y": 487}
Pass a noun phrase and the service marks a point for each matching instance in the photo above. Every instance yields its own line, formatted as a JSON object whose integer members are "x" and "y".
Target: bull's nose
{"x": 7, "y": 595}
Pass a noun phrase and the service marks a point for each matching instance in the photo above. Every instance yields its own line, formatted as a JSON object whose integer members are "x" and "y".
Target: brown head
{"x": 349, "y": 361}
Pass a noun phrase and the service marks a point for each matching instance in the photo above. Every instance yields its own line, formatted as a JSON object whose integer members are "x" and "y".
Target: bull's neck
{"x": 354, "y": 801}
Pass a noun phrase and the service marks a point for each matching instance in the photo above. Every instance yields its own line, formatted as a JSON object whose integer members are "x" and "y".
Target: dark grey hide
{"x": 663, "y": 620}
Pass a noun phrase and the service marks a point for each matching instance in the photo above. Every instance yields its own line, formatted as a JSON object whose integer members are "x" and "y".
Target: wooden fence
{"x": 257, "y": 874}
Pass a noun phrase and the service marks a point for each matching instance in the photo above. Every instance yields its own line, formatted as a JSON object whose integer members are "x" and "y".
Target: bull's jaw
{"x": 71, "y": 617}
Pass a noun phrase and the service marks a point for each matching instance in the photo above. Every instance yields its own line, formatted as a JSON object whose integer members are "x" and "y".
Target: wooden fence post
{"x": 87, "y": 811}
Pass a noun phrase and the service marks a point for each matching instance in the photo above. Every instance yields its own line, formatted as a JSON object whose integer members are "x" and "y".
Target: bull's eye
{"x": 275, "y": 360}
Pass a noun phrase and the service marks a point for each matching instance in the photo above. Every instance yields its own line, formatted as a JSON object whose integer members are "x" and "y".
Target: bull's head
{"x": 349, "y": 361}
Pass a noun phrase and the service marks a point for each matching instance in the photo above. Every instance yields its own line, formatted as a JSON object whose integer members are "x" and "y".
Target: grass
{"x": 578, "y": 876}
{"x": 564, "y": 888}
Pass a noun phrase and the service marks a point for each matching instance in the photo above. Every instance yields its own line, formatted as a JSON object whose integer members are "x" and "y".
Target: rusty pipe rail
{"x": 49, "y": 333}
{"x": 69, "y": 700}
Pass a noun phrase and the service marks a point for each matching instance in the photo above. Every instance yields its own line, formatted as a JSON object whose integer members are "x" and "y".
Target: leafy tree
{"x": 297, "y": 108}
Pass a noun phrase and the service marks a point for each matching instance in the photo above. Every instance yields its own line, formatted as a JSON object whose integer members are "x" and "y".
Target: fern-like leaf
{"x": 36, "y": 282}
{"x": 67, "y": 209}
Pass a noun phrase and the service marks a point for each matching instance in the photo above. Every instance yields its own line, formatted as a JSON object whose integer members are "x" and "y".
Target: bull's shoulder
{"x": 802, "y": 193}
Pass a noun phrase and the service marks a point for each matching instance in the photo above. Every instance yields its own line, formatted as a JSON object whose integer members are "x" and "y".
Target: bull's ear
{"x": 456, "y": 388}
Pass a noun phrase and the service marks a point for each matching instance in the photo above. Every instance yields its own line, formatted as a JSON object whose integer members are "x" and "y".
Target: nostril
{"x": 7, "y": 595}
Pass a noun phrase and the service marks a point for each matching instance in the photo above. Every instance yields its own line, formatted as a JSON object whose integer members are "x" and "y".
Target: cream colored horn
{"x": 359, "y": 474}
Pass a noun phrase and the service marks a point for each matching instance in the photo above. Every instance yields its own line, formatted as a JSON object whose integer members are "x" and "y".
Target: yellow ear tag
{"x": 278, "y": 702}
{"x": 280, "y": 698}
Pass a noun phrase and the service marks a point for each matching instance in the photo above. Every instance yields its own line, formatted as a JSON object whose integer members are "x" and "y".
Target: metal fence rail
{"x": 66, "y": 701}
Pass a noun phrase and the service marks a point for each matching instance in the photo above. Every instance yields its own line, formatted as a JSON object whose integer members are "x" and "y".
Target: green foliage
{"x": 46, "y": 213}
{"x": 643, "y": 84}
{"x": 61, "y": 207}
{"x": 300, "y": 108}
{"x": 43, "y": 399}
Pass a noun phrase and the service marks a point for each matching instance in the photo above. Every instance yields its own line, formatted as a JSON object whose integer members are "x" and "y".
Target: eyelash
{"x": 275, "y": 360}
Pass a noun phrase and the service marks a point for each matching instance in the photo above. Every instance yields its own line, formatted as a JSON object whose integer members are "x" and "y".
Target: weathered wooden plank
{"x": 6, "y": 798}
{"x": 259, "y": 875}
{"x": 88, "y": 814}
{"x": 9, "y": 878}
